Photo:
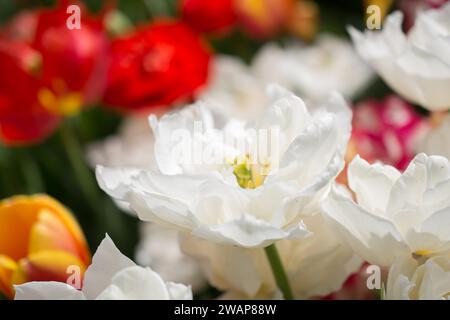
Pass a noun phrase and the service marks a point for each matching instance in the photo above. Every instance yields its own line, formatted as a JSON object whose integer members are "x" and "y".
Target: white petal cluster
{"x": 210, "y": 201}
{"x": 111, "y": 276}
{"x": 396, "y": 214}
{"x": 410, "y": 279}
{"x": 416, "y": 65}
{"x": 316, "y": 266}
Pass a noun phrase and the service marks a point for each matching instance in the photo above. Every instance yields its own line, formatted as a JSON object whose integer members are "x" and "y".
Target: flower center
{"x": 249, "y": 175}
{"x": 62, "y": 102}
{"x": 421, "y": 253}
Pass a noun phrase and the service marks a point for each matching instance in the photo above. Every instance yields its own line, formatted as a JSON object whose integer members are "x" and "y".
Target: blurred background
{"x": 56, "y": 164}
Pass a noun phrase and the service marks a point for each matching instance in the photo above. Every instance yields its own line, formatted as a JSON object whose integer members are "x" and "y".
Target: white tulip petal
{"x": 369, "y": 235}
{"x": 106, "y": 262}
{"x": 416, "y": 65}
{"x": 50, "y": 290}
{"x": 135, "y": 283}
{"x": 248, "y": 232}
{"x": 372, "y": 184}
{"x": 399, "y": 282}
{"x": 179, "y": 291}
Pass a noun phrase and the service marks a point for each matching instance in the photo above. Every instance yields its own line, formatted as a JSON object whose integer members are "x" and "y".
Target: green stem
{"x": 278, "y": 271}
{"x": 76, "y": 157}
{"x": 31, "y": 172}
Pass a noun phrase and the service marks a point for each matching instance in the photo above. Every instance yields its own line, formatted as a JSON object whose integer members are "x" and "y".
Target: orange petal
{"x": 50, "y": 233}
{"x": 7, "y": 268}
{"x": 71, "y": 224}
{"x": 47, "y": 266}
{"x": 18, "y": 216}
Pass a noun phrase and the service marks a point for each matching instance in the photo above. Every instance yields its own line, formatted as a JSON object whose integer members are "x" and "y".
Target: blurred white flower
{"x": 111, "y": 276}
{"x": 416, "y": 65}
{"x": 131, "y": 146}
{"x": 397, "y": 213}
{"x": 412, "y": 279}
{"x": 238, "y": 201}
{"x": 233, "y": 90}
{"x": 437, "y": 140}
{"x": 315, "y": 266}
{"x": 159, "y": 248}
{"x": 314, "y": 71}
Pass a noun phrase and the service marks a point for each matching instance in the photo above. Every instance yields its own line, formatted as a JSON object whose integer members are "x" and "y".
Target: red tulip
{"x": 157, "y": 65}
{"x": 74, "y": 62}
{"x": 48, "y": 71}
{"x": 209, "y": 16}
{"x": 22, "y": 118}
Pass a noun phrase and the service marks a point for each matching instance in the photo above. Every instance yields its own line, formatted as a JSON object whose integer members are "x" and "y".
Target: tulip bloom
{"x": 156, "y": 65}
{"x": 48, "y": 71}
{"x": 39, "y": 240}
{"x": 209, "y": 16}
{"x": 416, "y": 65}
{"x": 238, "y": 198}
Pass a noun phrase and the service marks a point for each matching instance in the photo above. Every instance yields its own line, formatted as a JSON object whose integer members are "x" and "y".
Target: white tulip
{"x": 397, "y": 214}
{"x": 416, "y": 65}
{"x": 313, "y": 71}
{"x": 412, "y": 279}
{"x": 238, "y": 200}
{"x": 111, "y": 276}
{"x": 315, "y": 266}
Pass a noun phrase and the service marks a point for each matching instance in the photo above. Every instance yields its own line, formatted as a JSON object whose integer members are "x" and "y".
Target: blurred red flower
{"x": 354, "y": 288}
{"x": 411, "y": 7}
{"x": 157, "y": 65}
{"x": 48, "y": 71}
{"x": 209, "y": 16}
{"x": 22, "y": 118}
{"x": 387, "y": 131}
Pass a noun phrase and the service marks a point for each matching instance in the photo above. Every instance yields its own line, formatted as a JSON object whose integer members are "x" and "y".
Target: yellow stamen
{"x": 249, "y": 175}
{"x": 421, "y": 253}
{"x": 66, "y": 104}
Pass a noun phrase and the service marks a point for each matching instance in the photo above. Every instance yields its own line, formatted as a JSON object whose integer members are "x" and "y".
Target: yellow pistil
{"x": 421, "y": 253}
{"x": 248, "y": 174}
{"x": 62, "y": 102}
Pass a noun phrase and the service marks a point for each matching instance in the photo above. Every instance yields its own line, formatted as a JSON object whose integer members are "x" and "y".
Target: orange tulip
{"x": 263, "y": 18}
{"x": 39, "y": 240}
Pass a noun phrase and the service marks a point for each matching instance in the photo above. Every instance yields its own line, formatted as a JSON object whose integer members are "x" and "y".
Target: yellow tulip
{"x": 39, "y": 240}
